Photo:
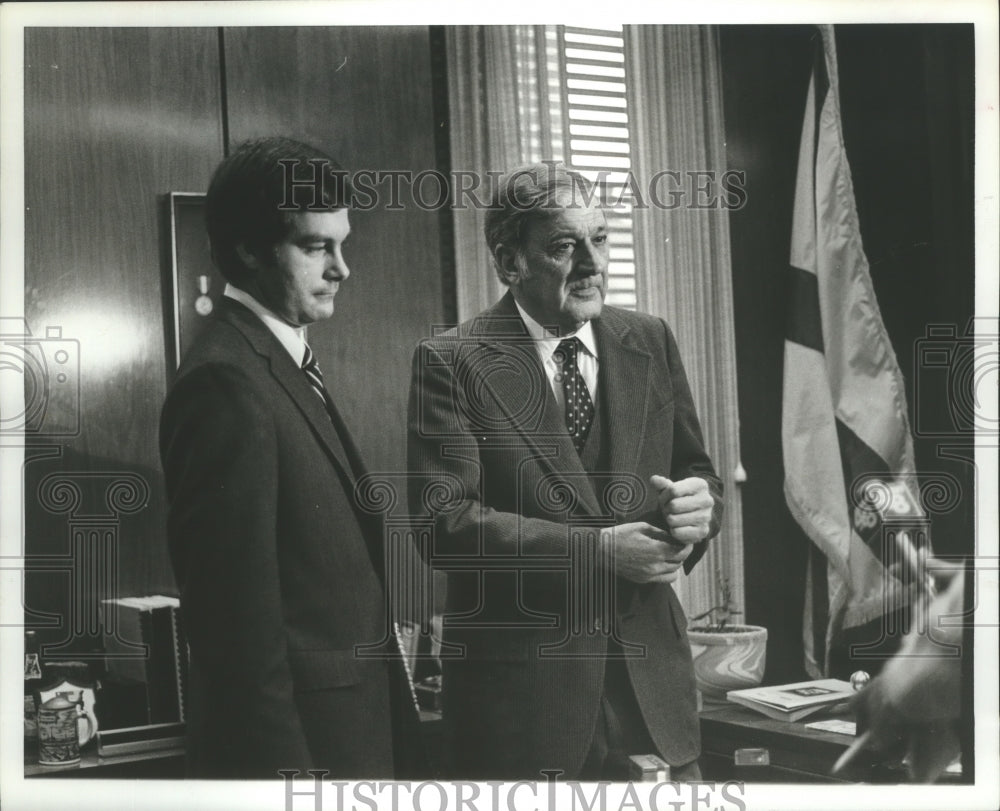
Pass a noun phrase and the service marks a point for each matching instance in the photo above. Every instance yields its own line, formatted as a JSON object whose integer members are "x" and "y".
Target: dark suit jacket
{"x": 280, "y": 574}
{"x": 514, "y": 518}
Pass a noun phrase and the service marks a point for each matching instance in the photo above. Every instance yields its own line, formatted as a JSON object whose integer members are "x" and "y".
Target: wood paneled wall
{"x": 114, "y": 120}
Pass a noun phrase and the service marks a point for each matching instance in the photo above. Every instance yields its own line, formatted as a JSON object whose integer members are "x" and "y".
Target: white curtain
{"x": 502, "y": 114}
{"x": 683, "y": 266}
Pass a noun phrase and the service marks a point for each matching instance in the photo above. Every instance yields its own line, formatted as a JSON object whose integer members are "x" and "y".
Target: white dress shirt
{"x": 292, "y": 338}
{"x": 546, "y": 343}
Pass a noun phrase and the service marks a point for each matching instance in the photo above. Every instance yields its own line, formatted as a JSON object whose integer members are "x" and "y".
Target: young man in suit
{"x": 564, "y": 433}
{"x": 280, "y": 573}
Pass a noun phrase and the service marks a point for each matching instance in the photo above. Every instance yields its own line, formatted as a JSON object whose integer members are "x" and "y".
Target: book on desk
{"x": 792, "y": 702}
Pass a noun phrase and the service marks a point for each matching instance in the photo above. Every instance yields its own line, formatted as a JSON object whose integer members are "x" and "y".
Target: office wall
{"x": 114, "y": 120}
{"x": 906, "y": 98}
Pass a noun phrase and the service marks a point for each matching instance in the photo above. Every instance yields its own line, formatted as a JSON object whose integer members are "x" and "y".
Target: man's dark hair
{"x": 526, "y": 194}
{"x": 255, "y": 190}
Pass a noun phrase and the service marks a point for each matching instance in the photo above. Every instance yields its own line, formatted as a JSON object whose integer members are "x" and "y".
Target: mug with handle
{"x": 59, "y": 731}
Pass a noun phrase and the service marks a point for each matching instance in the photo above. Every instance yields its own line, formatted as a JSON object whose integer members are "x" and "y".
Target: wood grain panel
{"x": 114, "y": 119}
{"x": 364, "y": 95}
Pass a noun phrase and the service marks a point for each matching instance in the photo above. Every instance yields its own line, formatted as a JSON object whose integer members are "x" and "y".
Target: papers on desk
{"x": 792, "y": 702}
{"x": 834, "y": 725}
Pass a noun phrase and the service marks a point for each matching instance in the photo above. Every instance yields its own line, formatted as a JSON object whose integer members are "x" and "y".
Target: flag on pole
{"x": 844, "y": 420}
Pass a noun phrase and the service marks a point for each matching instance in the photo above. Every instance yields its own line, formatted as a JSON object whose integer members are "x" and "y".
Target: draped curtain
{"x": 683, "y": 264}
{"x": 502, "y": 114}
{"x": 500, "y": 78}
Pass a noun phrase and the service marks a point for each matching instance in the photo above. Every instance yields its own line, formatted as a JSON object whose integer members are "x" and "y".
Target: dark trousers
{"x": 620, "y": 731}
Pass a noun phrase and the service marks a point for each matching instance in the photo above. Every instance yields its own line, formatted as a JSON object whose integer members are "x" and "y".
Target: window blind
{"x": 584, "y": 123}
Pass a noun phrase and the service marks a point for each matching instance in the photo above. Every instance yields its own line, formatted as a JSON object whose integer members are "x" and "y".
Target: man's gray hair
{"x": 526, "y": 194}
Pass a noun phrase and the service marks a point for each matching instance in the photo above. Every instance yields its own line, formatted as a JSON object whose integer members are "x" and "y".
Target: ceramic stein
{"x": 59, "y": 737}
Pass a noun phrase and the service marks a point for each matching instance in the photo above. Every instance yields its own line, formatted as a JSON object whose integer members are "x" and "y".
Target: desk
{"x": 796, "y": 754}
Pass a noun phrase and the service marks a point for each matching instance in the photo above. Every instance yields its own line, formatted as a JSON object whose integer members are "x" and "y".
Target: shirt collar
{"x": 292, "y": 338}
{"x": 550, "y": 340}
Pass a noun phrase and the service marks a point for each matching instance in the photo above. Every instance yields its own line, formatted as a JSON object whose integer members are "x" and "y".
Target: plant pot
{"x": 730, "y": 659}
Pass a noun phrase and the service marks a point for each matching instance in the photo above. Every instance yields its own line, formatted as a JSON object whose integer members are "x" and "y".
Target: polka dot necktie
{"x": 579, "y": 406}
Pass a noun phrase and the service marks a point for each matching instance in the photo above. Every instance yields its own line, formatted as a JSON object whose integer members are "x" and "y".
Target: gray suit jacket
{"x": 514, "y": 517}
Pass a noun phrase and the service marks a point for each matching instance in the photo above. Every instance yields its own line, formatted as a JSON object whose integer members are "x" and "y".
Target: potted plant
{"x": 726, "y": 656}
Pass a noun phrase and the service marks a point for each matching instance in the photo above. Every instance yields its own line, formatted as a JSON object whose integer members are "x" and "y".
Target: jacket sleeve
{"x": 218, "y": 445}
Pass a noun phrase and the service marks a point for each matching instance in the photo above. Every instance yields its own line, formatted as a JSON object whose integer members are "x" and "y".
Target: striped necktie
{"x": 311, "y": 367}
{"x": 579, "y": 406}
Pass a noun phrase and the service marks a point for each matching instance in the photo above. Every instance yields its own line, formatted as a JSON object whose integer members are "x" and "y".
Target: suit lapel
{"x": 507, "y": 338}
{"x": 312, "y": 407}
{"x": 338, "y": 442}
{"x": 292, "y": 380}
{"x": 624, "y": 382}
{"x": 624, "y": 378}
{"x": 544, "y": 430}
{"x": 330, "y": 430}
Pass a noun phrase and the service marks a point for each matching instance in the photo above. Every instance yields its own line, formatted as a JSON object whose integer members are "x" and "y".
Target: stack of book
{"x": 792, "y": 702}
{"x": 145, "y": 647}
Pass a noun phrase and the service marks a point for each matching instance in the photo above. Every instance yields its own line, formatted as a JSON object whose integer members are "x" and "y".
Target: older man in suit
{"x": 573, "y": 486}
{"x": 280, "y": 572}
